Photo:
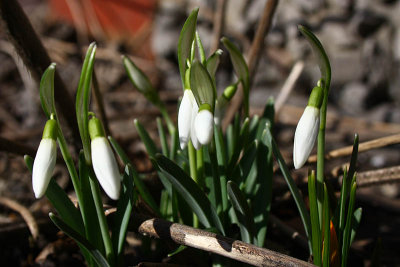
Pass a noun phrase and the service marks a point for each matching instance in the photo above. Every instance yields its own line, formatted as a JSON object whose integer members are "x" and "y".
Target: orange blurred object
{"x": 334, "y": 247}
{"x": 123, "y": 20}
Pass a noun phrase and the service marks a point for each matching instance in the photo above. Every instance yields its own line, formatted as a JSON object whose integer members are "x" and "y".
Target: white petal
{"x": 204, "y": 124}
{"x": 305, "y": 135}
{"x": 105, "y": 167}
{"x": 43, "y": 166}
{"x": 185, "y": 117}
{"x": 193, "y": 137}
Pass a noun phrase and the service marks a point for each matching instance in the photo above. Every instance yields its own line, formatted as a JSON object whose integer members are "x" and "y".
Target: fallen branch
{"x": 365, "y": 146}
{"x": 378, "y": 177}
{"x": 217, "y": 244}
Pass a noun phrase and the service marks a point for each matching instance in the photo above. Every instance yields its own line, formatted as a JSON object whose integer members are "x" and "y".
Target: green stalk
{"x": 102, "y": 217}
{"x": 315, "y": 225}
{"x": 193, "y": 173}
{"x": 167, "y": 118}
{"x": 200, "y": 167}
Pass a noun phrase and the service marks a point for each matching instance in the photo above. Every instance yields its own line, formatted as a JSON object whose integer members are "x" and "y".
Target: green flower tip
{"x": 50, "y": 130}
{"x": 230, "y": 91}
{"x": 316, "y": 97}
{"x": 205, "y": 106}
{"x": 95, "y": 128}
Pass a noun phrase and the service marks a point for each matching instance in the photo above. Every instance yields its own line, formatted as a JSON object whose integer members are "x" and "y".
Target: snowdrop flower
{"x": 45, "y": 159}
{"x": 186, "y": 116}
{"x": 204, "y": 124}
{"x": 104, "y": 164}
{"x": 307, "y": 128}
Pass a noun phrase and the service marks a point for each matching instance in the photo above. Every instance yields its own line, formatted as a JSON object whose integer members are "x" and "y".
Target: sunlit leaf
{"x": 46, "y": 90}
{"x": 202, "y": 85}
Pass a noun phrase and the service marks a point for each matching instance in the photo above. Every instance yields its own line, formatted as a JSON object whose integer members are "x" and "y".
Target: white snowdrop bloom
{"x": 185, "y": 117}
{"x": 105, "y": 167}
{"x": 104, "y": 163}
{"x": 305, "y": 135}
{"x": 45, "y": 160}
{"x": 204, "y": 126}
{"x": 193, "y": 137}
{"x": 43, "y": 166}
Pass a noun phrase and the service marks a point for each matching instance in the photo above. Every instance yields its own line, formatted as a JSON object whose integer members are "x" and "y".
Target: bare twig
{"x": 365, "y": 146}
{"x": 214, "y": 243}
{"x": 29, "y": 47}
{"x": 378, "y": 177}
{"x": 253, "y": 57}
{"x": 25, "y": 214}
{"x": 218, "y": 24}
{"x": 288, "y": 86}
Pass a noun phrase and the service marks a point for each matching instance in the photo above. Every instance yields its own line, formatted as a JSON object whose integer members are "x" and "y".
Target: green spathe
{"x": 96, "y": 128}
{"x": 316, "y": 97}
{"x": 50, "y": 130}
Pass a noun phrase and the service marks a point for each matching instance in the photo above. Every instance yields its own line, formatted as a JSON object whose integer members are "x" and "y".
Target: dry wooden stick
{"x": 378, "y": 177}
{"x": 219, "y": 16}
{"x": 365, "y": 146}
{"x": 214, "y": 243}
{"x": 14, "y": 22}
{"x": 288, "y": 86}
{"x": 25, "y": 214}
{"x": 289, "y": 231}
{"x": 253, "y": 57}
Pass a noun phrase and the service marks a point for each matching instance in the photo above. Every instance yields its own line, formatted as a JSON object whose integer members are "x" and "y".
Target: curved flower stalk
{"x": 104, "y": 164}
{"x": 222, "y": 103}
{"x": 45, "y": 159}
{"x": 307, "y": 128}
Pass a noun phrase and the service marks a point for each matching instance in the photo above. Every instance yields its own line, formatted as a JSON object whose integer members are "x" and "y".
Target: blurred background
{"x": 361, "y": 38}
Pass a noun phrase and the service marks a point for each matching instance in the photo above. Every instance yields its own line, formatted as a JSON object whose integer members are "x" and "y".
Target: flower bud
{"x": 204, "y": 125}
{"x": 104, "y": 164}
{"x": 45, "y": 159}
{"x": 193, "y": 137}
{"x": 185, "y": 117}
{"x": 305, "y": 135}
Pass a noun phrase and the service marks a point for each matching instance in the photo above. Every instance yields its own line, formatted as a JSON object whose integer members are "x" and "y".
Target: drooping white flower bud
{"x": 185, "y": 117}
{"x": 45, "y": 159}
{"x": 204, "y": 126}
{"x": 307, "y": 129}
{"x": 195, "y": 142}
{"x": 104, "y": 164}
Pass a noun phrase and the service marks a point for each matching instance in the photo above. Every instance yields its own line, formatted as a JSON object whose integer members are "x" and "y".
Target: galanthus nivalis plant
{"x": 212, "y": 178}
{"x": 45, "y": 159}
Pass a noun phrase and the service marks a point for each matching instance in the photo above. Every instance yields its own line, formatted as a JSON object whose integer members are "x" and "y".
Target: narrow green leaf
{"x": 213, "y": 62}
{"x": 46, "y": 90}
{"x": 200, "y": 47}
{"x": 141, "y": 81}
{"x": 241, "y": 69}
{"x": 305, "y": 217}
{"x": 353, "y": 159}
{"x": 260, "y": 190}
{"x": 267, "y": 117}
{"x": 96, "y": 255}
{"x": 243, "y": 213}
{"x": 319, "y": 51}
{"x": 191, "y": 192}
{"x": 141, "y": 187}
{"x": 348, "y": 228}
{"x": 83, "y": 99}
{"x": 315, "y": 227}
{"x": 163, "y": 138}
{"x": 238, "y": 146}
{"x": 88, "y": 208}
{"x": 202, "y": 85}
{"x": 177, "y": 251}
{"x": 242, "y": 169}
{"x": 185, "y": 42}
{"x": 344, "y": 192}
{"x": 123, "y": 213}
{"x": 327, "y": 229}
{"x": 355, "y": 223}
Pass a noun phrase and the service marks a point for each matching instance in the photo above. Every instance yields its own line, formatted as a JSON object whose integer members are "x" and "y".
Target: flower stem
{"x": 193, "y": 174}
{"x": 102, "y": 218}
